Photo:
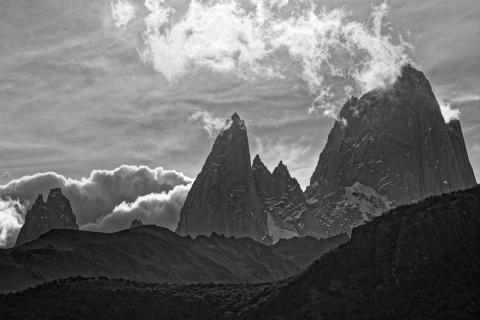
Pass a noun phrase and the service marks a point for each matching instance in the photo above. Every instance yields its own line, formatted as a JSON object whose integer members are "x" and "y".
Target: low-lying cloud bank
{"x": 155, "y": 208}
{"x": 11, "y": 220}
{"x": 102, "y": 200}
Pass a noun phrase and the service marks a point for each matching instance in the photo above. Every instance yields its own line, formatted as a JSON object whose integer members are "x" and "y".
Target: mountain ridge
{"x": 155, "y": 254}
{"x": 419, "y": 261}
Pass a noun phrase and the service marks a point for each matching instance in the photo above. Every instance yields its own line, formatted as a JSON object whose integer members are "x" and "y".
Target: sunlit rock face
{"x": 223, "y": 198}
{"x": 55, "y": 213}
{"x": 390, "y": 147}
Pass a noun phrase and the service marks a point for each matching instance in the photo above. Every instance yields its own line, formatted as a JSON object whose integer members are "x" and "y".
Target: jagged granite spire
{"x": 281, "y": 198}
{"x": 223, "y": 198}
{"x": 394, "y": 149}
{"x": 56, "y": 213}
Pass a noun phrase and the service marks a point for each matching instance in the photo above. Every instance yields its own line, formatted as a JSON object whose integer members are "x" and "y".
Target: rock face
{"x": 56, "y": 213}
{"x": 391, "y": 147}
{"x": 136, "y": 223}
{"x": 281, "y": 198}
{"x": 223, "y": 198}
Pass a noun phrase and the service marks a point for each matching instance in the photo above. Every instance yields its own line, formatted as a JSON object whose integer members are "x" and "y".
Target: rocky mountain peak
{"x": 136, "y": 223}
{"x": 223, "y": 198}
{"x": 39, "y": 200}
{"x": 56, "y": 213}
{"x": 394, "y": 149}
{"x": 281, "y": 170}
{"x": 257, "y": 162}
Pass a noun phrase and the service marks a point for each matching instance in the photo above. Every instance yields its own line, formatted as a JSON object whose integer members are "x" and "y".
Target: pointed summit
{"x": 223, "y": 198}
{"x": 257, "y": 161}
{"x": 56, "y": 213}
{"x": 281, "y": 170}
{"x": 262, "y": 178}
{"x": 235, "y": 117}
{"x": 39, "y": 200}
{"x": 282, "y": 200}
{"x": 396, "y": 149}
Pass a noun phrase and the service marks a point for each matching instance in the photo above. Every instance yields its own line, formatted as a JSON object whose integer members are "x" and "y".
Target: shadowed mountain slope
{"x": 150, "y": 253}
{"x": 419, "y": 261}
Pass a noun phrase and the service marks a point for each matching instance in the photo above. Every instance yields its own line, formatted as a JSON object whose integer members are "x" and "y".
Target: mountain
{"x": 281, "y": 198}
{"x": 418, "y": 261}
{"x": 136, "y": 223}
{"x": 56, "y": 213}
{"x": 390, "y": 147}
{"x": 155, "y": 254}
{"x": 223, "y": 198}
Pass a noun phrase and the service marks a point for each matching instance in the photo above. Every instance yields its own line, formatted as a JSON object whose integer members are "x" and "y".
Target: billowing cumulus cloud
{"x": 162, "y": 209}
{"x": 96, "y": 196}
{"x": 123, "y": 12}
{"x": 11, "y": 220}
{"x": 212, "y": 124}
{"x": 334, "y": 55}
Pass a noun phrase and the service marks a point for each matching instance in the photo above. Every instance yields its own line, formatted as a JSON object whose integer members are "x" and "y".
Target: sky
{"x": 100, "y": 94}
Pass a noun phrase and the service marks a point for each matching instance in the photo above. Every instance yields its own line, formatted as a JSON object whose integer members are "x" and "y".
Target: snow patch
{"x": 276, "y": 233}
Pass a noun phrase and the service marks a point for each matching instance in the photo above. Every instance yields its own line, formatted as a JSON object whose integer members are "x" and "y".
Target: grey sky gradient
{"x": 74, "y": 95}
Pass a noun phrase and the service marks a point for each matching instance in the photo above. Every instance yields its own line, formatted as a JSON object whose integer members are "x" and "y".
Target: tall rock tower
{"x": 56, "y": 213}
{"x": 223, "y": 198}
{"x": 393, "y": 147}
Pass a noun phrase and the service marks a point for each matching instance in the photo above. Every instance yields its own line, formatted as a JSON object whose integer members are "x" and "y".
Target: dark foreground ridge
{"x": 419, "y": 261}
{"x": 155, "y": 254}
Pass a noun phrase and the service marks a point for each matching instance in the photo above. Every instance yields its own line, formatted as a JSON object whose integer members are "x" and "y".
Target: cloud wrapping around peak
{"x": 96, "y": 196}
{"x": 123, "y": 12}
{"x": 448, "y": 113}
{"x": 334, "y": 55}
{"x": 212, "y": 124}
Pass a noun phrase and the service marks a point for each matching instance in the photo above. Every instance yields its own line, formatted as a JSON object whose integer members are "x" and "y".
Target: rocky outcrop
{"x": 390, "y": 147}
{"x": 223, "y": 198}
{"x": 136, "y": 223}
{"x": 56, "y": 213}
{"x": 281, "y": 198}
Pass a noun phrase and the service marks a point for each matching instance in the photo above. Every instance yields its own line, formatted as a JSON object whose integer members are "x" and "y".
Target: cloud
{"x": 156, "y": 208}
{"x": 98, "y": 195}
{"x": 448, "y": 113}
{"x": 11, "y": 220}
{"x": 123, "y": 12}
{"x": 212, "y": 124}
{"x": 334, "y": 55}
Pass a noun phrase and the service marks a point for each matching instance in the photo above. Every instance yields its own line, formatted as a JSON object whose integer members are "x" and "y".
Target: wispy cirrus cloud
{"x": 123, "y": 11}
{"x": 211, "y": 123}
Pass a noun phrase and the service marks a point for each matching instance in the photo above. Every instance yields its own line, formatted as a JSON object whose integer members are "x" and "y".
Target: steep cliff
{"x": 390, "y": 147}
{"x": 56, "y": 213}
{"x": 223, "y": 198}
